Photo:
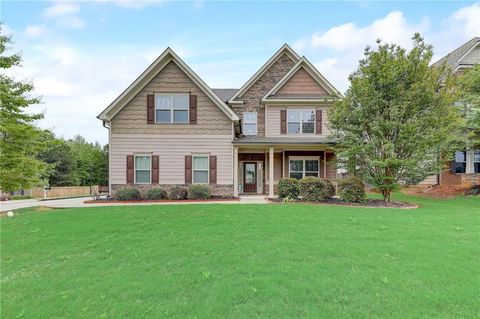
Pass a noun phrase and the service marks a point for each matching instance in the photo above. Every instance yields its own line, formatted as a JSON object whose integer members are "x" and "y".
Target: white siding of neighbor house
{"x": 473, "y": 57}
{"x": 430, "y": 180}
{"x": 172, "y": 150}
{"x": 273, "y": 121}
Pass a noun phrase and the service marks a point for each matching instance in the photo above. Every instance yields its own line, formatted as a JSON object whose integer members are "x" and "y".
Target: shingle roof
{"x": 452, "y": 58}
{"x": 284, "y": 140}
{"x": 225, "y": 94}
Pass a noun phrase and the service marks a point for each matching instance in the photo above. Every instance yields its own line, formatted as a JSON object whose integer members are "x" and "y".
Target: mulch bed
{"x": 373, "y": 203}
{"x": 212, "y": 199}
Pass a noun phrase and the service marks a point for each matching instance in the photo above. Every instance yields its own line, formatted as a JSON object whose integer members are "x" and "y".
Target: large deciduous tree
{"x": 469, "y": 85}
{"x": 397, "y": 117}
{"x": 19, "y": 137}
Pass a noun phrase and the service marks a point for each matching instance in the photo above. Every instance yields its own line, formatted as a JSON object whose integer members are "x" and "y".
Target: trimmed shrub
{"x": 288, "y": 188}
{"x": 156, "y": 194}
{"x": 351, "y": 189}
{"x": 199, "y": 192}
{"x": 16, "y": 197}
{"x": 329, "y": 190}
{"x": 312, "y": 189}
{"x": 178, "y": 193}
{"x": 128, "y": 194}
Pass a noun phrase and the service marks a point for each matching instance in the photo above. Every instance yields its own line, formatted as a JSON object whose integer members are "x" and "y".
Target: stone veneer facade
{"x": 253, "y": 96}
{"x": 218, "y": 190}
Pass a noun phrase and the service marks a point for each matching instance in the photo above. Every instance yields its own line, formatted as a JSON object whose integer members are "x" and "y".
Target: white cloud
{"x": 336, "y": 51}
{"x": 64, "y": 14}
{"x": 34, "y": 30}
{"x": 61, "y": 9}
{"x": 134, "y": 4}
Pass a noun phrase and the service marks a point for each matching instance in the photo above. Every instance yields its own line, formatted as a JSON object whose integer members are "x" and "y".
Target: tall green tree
{"x": 397, "y": 116}
{"x": 19, "y": 137}
{"x": 469, "y": 92}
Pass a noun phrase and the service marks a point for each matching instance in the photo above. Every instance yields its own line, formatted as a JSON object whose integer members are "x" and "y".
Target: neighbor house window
{"x": 171, "y": 108}
{"x": 301, "y": 167}
{"x": 249, "y": 123}
{"x": 200, "y": 169}
{"x": 301, "y": 121}
{"x": 460, "y": 165}
{"x": 476, "y": 161}
{"x": 143, "y": 169}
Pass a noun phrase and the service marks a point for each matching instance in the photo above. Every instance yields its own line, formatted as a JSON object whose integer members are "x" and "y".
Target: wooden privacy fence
{"x": 67, "y": 191}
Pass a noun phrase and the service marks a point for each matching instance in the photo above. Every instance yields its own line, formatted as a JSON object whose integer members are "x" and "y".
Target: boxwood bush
{"x": 128, "y": 194}
{"x": 288, "y": 188}
{"x": 199, "y": 192}
{"x": 329, "y": 190}
{"x": 351, "y": 189}
{"x": 312, "y": 188}
{"x": 178, "y": 193}
{"x": 156, "y": 194}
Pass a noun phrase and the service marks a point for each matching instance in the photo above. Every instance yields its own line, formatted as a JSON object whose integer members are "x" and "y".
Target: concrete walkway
{"x": 79, "y": 202}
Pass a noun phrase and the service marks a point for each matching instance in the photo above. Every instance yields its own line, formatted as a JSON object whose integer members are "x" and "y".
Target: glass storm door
{"x": 250, "y": 178}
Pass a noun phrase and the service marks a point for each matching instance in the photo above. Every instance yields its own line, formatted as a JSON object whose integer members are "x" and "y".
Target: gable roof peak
{"x": 284, "y": 49}
{"x": 156, "y": 67}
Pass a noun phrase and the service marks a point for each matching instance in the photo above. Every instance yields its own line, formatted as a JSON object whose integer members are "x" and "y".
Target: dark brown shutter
{"x": 155, "y": 169}
{"x": 130, "y": 169}
{"x": 193, "y": 109}
{"x": 188, "y": 169}
{"x": 213, "y": 169}
{"x": 150, "y": 109}
{"x": 283, "y": 121}
{"x": 318, "y": 121}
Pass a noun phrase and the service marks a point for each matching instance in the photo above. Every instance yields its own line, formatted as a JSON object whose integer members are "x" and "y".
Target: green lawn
{"x": 243, "y": 261}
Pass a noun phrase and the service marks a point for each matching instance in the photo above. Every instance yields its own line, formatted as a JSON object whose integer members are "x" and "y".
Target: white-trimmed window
{"x": 249, "y": 123}
{"x": 301, "y": 121}
{"x": 476, "y": 161}
{"x": 299, "y": 167}
{"x": 143, "y": 169}
{"x": 200, "y": 169}
{"x": 460, "y": 165}
{"x": 171, "y": 108}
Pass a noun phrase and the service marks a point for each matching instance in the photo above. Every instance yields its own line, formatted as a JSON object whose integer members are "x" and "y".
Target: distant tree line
{"x": 31, "y": 156}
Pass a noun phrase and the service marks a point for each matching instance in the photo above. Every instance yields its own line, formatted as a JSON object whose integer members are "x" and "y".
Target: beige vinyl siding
{"x": 273, "y": 121}
{"x": 331, "y": 167}
{"x": 301, "y": 83}
{"x": 473, "y": 57}
{"x": 132, "y": 119}
{"x": 430, "y": 180}
{"x": 171, "y": 151}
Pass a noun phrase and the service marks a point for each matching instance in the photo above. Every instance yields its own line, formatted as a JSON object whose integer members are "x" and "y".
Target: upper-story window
{"x": 171, "y": 108}
{"x": 301, "y": 121}
{"x": 249, "y": 123}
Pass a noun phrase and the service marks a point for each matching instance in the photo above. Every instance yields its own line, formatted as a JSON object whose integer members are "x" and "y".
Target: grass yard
{"x": 243, "y": 261}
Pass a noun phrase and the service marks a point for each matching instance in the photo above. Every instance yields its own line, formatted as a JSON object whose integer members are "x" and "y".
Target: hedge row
{"x": 314, "y": 189}
{"x": 176, "y": 193}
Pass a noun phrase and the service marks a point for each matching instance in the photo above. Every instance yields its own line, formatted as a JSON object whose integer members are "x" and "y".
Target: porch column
{"x": 324, "y": 164}
{"x": 235, "y": 171}
{"x": 270, "y": 172}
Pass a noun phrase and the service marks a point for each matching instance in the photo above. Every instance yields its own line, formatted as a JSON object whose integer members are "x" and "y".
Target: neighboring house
{"x": 465, "y": 167}
{"x": 169, "y": 128}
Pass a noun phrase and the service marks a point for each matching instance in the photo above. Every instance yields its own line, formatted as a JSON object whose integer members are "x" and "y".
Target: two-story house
{"x": 169, "y": 128}
{"x": 465, "y": 167}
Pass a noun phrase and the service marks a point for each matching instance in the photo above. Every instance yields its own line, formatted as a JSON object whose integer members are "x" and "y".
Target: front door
{"x": 250, "y": 177}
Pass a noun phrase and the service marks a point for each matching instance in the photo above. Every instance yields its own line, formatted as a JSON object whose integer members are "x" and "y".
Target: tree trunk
{"x": 386, "y": 193}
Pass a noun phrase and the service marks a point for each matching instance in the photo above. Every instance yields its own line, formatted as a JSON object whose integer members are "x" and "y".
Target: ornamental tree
{"x": 397, "y": 117}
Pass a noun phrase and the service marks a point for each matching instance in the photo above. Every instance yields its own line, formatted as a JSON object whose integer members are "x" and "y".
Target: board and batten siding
{"x": 171, "y": 151}
{"x": 273, "y": 121}
{"x": 132, "y": 119}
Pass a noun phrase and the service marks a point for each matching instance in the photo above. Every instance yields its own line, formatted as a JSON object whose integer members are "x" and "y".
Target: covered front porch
{"x": 258, "y": 167}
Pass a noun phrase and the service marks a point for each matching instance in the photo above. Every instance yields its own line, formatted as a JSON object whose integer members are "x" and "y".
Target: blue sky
{"x": 82, "y": 54}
